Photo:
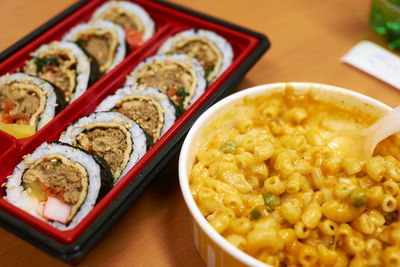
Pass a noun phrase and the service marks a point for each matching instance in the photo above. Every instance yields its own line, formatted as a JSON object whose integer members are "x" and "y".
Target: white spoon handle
{"x": 384, "y": 127}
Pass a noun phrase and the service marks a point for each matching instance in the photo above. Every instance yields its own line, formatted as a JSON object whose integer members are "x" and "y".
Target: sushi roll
{"x": 59, "y": 184}
{"x": 148, "y": 107}
{"x": 136, "y": 22}
{"x": 66, "y": 66}
{"x": 180, "y": 77}
{"x": 102, "y": 40}
{"x": 212, "y": 51}
{"x": 112, "y": 136}
{"x": 27, "y": 103}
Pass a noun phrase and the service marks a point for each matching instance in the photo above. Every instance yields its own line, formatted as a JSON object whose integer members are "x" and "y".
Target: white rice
{"x": 189, "y": 61}
{"x": 223, "y": 46}
{"x": 82, "y": 66}
{"x": 138, "y": 136}
{"x": 103, "y": 24}
{"x": 169, "y": 114}
{"x": 17, "y": 196}
{"x": 51, "y": 98}
{"x": 141, "y": 14}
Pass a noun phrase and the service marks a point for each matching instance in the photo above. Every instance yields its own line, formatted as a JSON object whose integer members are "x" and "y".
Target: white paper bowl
{"x": 212, "y": 247}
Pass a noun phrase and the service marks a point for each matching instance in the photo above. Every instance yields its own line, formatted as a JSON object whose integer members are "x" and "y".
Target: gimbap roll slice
{"x": 148, "y": 107}
{"x": 212, "y": 50}
{"x": 136, "y": 22}
{"x": 102, "y": 40}
{"x": 65, "y": 65}
{"x": 180, "y": 77}
{"x": 112, "y": 136}
{"x": 59, "y": 184}
{"x": 27, "y": 103}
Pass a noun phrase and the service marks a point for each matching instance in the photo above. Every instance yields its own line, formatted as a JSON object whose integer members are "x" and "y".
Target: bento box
{"x": 72, "y": 244}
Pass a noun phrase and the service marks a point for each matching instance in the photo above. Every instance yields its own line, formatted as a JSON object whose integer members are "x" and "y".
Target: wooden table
{"x": 308, "y": 38}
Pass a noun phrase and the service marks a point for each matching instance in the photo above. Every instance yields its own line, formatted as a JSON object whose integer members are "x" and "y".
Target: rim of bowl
{"x": 235, "y": 252}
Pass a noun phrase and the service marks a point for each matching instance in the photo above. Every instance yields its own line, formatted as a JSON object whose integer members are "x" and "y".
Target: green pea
{"x": 358, "y": 197}
{"x": 228, "y": 147}
{"x": 255, "y": 214}
{"x": 258, "y": 212}
{"x": 270, "y": 201}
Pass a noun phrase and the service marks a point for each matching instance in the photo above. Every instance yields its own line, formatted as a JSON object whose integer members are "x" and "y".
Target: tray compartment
{"x": 10, "y": 154}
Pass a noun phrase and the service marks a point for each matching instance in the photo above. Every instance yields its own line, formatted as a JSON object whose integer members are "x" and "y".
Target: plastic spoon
{"x": 384, "y": 127}
{"x": 361, "y": 143}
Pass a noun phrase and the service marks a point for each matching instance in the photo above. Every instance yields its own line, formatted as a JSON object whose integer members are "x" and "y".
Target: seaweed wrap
{"x": 102, "y": 40}
{"x": 59, "y": 183}
{"x": 151, "y": 109}
{"x": 27, "y": 104}
{"x": 66, "y": 66}
{"x": 180, "y": 77}
{"x": 112, "y": 136}
{"x": 212, "y": 51}
{"x": 136, "y": 22}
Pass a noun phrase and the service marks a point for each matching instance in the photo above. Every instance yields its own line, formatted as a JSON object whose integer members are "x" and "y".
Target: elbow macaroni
{"x": 284, "y": 195}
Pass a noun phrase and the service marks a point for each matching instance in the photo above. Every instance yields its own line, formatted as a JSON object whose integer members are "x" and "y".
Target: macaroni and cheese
{"x": 276, "y": 178}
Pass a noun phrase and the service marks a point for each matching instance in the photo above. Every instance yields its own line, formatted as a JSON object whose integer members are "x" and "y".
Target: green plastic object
{"x": 385, "y": 20}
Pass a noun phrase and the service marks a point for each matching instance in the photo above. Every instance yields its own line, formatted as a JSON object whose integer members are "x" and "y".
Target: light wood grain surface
{"x": 308, "y": 38}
